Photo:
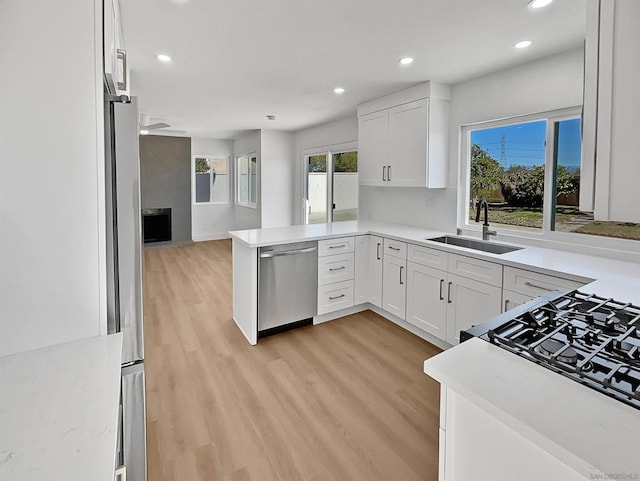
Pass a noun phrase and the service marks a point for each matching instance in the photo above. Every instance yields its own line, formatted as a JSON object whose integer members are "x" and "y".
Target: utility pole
{"x": 503, "y": 150}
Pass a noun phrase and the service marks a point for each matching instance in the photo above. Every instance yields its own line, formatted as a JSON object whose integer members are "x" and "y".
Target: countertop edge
{"x": 500, "y": 394}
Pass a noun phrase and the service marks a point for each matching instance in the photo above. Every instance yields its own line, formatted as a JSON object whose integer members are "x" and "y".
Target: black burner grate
{"x": 591, "y": 339}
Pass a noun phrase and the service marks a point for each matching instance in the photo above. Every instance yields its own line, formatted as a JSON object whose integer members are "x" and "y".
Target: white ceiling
{"x": 236, "y": 61}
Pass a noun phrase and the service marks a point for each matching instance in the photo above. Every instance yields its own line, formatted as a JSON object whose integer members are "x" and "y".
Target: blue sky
{"x": 524, "y": 143}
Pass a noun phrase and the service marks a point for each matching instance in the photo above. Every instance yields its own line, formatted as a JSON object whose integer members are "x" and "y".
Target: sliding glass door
{"x": 331, "y": 190}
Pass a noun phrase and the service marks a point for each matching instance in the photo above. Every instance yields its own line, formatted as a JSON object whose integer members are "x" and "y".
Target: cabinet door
{"x": 426, "y": 301}
{"x": 375, "y": 261}
{"x": 368, "y": 270}
{"x": 511, "y": 299}
{"x": 373, "y": 148}
{"x": 362, "y": 277}
{"x": 469, "y": 303}
{"x": 394, "y": 285}
{"x": 408, "y": 129}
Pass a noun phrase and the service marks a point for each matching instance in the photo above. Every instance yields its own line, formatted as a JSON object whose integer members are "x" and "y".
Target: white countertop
{"x": 590, "y": 432}
{"x": 59, "y": 411}
{"x": 613, "y": 278}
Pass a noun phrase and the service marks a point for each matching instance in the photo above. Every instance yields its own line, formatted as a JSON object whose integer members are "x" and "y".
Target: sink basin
{"x": 478, "y": 245}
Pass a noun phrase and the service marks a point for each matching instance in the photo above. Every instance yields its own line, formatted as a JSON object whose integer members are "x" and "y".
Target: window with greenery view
{"x": 247, "y": 175}
{"x": 210, "y": 184}
{"x": 529, "y": 173}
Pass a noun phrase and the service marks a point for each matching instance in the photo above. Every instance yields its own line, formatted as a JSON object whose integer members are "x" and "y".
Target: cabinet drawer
{"x": 336, "y": 268}
{"x": 330, "y": 247}
{"x": 534, "y": 284}
{"x": 334, "y": 297}
{"x": 427, "y": 256}
{"x": 395, "y": 248}
{"x": 476, "y": 269}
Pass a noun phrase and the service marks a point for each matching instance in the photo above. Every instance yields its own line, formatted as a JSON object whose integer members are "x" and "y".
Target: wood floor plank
{"x": 342, "y": 401}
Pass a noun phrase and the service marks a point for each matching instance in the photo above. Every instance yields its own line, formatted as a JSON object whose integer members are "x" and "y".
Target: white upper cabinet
{"x": 402, "y": 138}
{"x": 373, "y": 145}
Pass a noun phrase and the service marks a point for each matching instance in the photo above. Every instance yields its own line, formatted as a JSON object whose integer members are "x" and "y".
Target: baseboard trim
{"x": 341, "y": 313}
{"x": 210, "y": 237}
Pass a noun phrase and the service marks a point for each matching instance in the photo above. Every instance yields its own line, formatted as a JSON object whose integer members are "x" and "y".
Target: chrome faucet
{"x": 482, "y": 204}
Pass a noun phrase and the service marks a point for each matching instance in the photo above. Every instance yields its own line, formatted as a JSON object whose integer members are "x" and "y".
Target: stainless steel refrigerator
{"x": 124, "y": 274}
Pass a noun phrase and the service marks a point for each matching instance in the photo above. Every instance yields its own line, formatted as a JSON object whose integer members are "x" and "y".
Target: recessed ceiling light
{"x": 163, "y": 58}
{"x": 338, "y": 90}
{"x": 523, "y": 44}
{"x": 405, "y": 60}
{"x": 539, "y": 3}
{"x": 144, "y": 132}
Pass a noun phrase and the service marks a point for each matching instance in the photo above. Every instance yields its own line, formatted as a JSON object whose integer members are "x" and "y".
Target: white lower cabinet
{"x": 512, "y": 299}
{"x": 475, "y": 445}
{"x": 336, "y": 296}
{"x": 469, "y": 302}
{"x": 441, "y": 302}
{"x": 335, "y": 274}
{"x": 426, "y": 291}
{"x": 520, "y": 286}
{"x": 368, "y": 270}
{"x": 394, "y": 286}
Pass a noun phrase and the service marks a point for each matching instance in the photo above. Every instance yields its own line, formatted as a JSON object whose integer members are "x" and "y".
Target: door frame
{"x": 329, "y": 151}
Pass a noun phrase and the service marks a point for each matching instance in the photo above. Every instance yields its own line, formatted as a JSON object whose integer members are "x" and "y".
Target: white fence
{"x": 345, "y": 191}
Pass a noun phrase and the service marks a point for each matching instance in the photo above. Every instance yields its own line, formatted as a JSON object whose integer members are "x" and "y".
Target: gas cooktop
{"x": 587, "y": 338}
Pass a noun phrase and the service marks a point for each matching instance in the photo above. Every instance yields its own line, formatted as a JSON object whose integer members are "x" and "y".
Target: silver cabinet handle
{"x": 394, "y": 248}
{"x": 384, "y": 173}
{"x": 536, "y": 286}
{"x": 266, "y": 255}
{"x": 401, "y": 267}
{"x": 121, "y": 55}
{"x": 441, "y": 285}
{"x": 506, "y": 305}
{"x": 121, "y": 473}
{"x": 337, "y": 268}
{"x": 449, "y": 293}
{"x": 388, "y": 172}
{"x": 378, "y": 251}
{"x": 338, "y": 247}
{"x": 336, "y": 297}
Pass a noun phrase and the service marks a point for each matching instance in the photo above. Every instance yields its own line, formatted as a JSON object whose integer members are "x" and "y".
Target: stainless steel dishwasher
{"x": 287, "y": 287}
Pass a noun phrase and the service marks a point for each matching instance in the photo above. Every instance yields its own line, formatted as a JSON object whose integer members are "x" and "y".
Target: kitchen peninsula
{"x": 512, "y": 274}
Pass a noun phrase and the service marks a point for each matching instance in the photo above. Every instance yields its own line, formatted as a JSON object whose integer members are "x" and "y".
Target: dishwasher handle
{"x": 268, "y": 254}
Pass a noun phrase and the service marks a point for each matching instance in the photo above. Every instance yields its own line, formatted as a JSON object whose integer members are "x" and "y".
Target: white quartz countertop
{"x": 59, "y": 411}
{"x": 592, "y": 433}
{"x": 605, "y": 277}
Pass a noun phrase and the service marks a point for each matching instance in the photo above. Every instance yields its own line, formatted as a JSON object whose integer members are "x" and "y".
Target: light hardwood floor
{"x": 344, "y": 400}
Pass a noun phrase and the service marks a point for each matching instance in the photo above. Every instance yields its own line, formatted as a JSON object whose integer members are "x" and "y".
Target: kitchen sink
{"x": 478, "y": 245}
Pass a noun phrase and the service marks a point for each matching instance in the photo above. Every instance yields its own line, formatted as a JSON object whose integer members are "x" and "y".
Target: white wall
{"x": 332, "y": 133}
{"x": 277, "y": 178}
{"x": 247, "y": 217}
{"x": 52, "y": 262}
{"x": 213, "y": 221}
{"x": 547, "y": 84}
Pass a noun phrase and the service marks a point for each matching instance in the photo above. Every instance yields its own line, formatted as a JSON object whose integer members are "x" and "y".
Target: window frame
{"x": 211, "y": 157}
{"x": 548, "y": 205}
{"x": 329, "y": 151}
{"x": 238, "y": 180}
